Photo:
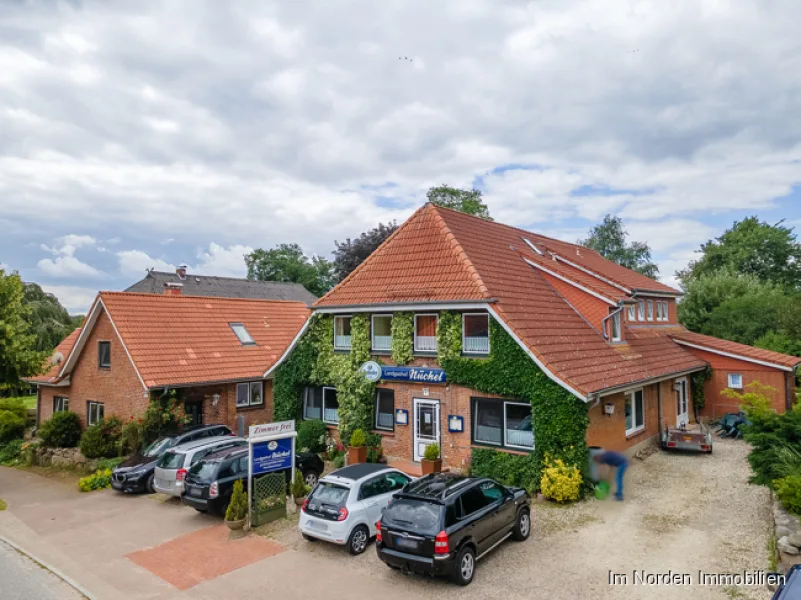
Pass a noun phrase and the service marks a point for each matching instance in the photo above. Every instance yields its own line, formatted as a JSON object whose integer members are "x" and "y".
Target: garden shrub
{"x": 97, "y": 481}
{"x": 519, "y": 470}
{"x": 130, "y": 438}
{"x": 62, "y": 430}
{"x": 431, "y": 452}
{"x": 311, "y": 435}
{"x": 11, "y": 452}
{"x": 560, "y": 482}
{"x": 238, "y": 505}
{"x": 775, "y": 445}
{"x": 339, "y": 461}
{"x": 102, "y": 440}
{"x": 14, "y": 405}
{"x": 357, "y": 439}
{"x": 12, "y": 426}
{"x": 164, "y": 414}
{"x": 788, "y": 490}
{"x": 298, "y": 488}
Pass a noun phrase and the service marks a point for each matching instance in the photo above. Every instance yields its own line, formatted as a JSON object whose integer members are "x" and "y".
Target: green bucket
{"x": 602, "y": 490}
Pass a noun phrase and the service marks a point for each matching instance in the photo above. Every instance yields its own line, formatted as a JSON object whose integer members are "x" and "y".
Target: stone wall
{"x": 63, "y": 458}
{"x": 788, "y": 536}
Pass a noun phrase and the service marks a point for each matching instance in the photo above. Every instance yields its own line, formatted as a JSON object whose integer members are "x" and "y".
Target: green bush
{"x": 299, "y": 489}
{"x": 510, "y": 469}
{"x": 62, "y": 430}
{"x": 102, "y": 440}
{"x": 11, "y": 426}
{"x": 788, "y": 490}
{"x": 357, "y": 439}
{"x": 130, "y": 438}
{"x": 14, "y": 405}
{"x": 431, "y": 452}
{"x": 311, "y": 435}
{"x": 97, "y": 481}
{"x": 238, "y": 506}
{"x": 11, "y": 452}
{"x": 775, "y": 445}
{"x": 339, "y": 461}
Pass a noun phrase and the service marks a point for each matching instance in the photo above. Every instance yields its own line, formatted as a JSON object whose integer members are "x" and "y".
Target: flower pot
{"x": 431, "y": 466}
{"x": 236, "y": 525}
{"x": 300, "y": 501}
{"x": 357, "y": 455}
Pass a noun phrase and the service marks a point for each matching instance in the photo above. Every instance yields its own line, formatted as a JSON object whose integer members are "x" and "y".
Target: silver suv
{"x": 175, "y": 463}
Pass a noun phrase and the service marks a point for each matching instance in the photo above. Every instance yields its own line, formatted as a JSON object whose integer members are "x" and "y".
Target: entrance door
{"x": 682, "y": 403}
{"x": 426, "y": 425}
{"x": 194, "y": 410}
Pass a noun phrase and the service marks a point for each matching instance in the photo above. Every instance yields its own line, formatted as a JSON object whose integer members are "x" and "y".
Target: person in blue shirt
{"x": 618, "y": 461}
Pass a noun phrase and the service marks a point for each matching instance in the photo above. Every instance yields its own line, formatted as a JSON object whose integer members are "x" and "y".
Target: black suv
{"x": 209, "y": 483}
{"x": 136, "y": 473}
{"x": 442, "y": 524}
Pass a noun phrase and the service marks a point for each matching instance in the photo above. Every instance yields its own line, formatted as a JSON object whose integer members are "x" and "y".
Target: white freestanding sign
{"x": 275, "y": 448}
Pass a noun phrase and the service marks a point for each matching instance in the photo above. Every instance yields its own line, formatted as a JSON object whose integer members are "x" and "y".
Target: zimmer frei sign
{"x": 374, "y": 372}
{"x": 271, "y": 448}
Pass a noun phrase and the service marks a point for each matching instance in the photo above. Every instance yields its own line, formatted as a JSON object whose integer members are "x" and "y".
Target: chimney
{"x": 181, "y": 272}
{"x": 172, "y": 288}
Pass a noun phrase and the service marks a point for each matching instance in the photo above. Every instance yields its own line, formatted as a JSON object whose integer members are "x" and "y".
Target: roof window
{"x": 532, "y": 246}
{"x": 242, "y": 333}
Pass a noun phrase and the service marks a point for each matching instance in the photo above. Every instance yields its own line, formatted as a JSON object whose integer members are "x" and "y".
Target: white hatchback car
{"x": 345, "y": 505}
{"x": 174, "y": 464}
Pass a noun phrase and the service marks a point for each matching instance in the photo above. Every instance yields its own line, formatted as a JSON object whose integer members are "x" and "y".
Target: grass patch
{"x": 773, "y": 553}
{"x": 736, "y": 594}
{"x": 3, "y": 504}
{"x": 30, "y": 401}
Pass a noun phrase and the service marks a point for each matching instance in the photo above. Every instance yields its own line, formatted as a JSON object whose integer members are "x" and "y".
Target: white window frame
{"x": 630, "y": 395}
{"x": 377, "y": 396}
{"x": 665, "y": 310}
{"x": 65, "y": 404}
{"x": 616, "y": 322}
{"x": 306, "y": 402}
{"x": 245, "y": 341}
{"x": 249, "y": 385}
{"x": 650, "y": 310}
{"x": 658, "y": 310}
{"x": 632, "y": 313}
{"x": 336, "y": 318}
{"x": 323, "y": 407}
{"x": 436, "y": 327}
{"x": 100, "y": 365}
{"x": 641, "y": 310}
{"x": 464, "y": 336}
{"x": 389, "y": 316}
{"x": 731, "y": 382}
{"x": 504, "y": 443}
{"x": 89, "y": 404}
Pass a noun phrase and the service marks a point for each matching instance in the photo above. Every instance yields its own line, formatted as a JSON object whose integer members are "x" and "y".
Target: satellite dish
{"x": 58, "y": 358}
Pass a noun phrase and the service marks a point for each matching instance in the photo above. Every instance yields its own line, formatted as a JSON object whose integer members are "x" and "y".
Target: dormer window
{"x": 533, "y": 246}
{"x": 641, "y": 310}
{"x": 616, "y": 329}
{"x": 342, "y": 333}
{"x": 475, "y": 333}
{"x": 242, "y": 334}
{"x": 632, "y": 313}
{"x": 650, "y": 310}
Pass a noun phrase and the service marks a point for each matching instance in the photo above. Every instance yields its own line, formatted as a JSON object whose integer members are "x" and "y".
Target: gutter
{"x": 398, "y": 305}
{"x": 648, "y": 381}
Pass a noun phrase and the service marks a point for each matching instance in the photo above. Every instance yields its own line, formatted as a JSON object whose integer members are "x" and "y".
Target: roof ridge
{"x": 460, "y": 253}
{"x": 381, "y": 248}
{"x": 106, "y": 293}
{"x": 239, "y": 279}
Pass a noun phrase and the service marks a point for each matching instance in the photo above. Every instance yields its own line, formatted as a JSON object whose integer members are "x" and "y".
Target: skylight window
{"x": 242, "y": 333}
{"x": 532, "y": 246}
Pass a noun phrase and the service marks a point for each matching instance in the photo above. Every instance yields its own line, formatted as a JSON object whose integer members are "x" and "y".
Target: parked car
{"x": 137, "y": 472}
{"x": 442, "y": 524}
{"x": 791, "y": 588}
{"x": 210, "y": 482}
{"x": 172, "y": 467}
{"x": 345, "y": 505}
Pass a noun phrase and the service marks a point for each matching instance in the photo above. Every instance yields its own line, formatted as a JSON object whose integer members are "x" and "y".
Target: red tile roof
{"x": 737, "y": 350}
{"x": 50, "y": 376}
{"x": 441, "y": 255}
{"x": 179, "y": 340}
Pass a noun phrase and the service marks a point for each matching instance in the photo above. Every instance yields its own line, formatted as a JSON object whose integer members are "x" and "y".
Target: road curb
{"x": 68, "y": 580}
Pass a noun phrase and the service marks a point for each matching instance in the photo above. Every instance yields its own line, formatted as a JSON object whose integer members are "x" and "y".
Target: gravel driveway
{"x": 683, "y": 513}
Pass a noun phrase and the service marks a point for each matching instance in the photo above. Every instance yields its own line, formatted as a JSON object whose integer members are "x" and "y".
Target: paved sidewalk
{"x": 23, "y": 579}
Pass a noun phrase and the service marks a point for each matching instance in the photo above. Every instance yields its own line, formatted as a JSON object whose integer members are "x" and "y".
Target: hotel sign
{"x": 373, "y": 372}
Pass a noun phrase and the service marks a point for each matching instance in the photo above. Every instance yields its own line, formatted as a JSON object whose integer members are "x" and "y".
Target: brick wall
{"x": 118, "y": 388}
{"x": 717, "y": 404}
{"x": 226, "y": 410}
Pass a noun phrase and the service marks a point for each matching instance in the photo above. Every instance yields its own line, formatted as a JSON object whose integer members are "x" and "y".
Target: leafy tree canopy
{"x": 466, "y": 201}
{"x": 751, "y": 247}
{"x": 351, "y": 253}
{"x": 18, "y": 356}
{"x": 50, "y": 322}
{"x": 288, "y": 263}
{"x": 609, "y": 239}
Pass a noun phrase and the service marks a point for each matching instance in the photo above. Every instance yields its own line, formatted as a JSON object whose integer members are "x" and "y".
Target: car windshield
{"x": 329, "y": 493}
{"x": 172, "y": 460}
{"x": 416, "y": 515}
{"x": 204, "y": 471}
{"x": 158, "y": 447}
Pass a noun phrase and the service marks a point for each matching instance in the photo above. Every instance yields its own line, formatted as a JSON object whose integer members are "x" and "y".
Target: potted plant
{"x": 237, "y": 512}
{"x": 357, "y": 451}
{"x": 432, "y": 462}
{"x": 299, "y": 489}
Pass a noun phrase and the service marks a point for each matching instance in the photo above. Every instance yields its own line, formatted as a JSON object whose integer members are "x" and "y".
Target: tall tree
{"x": 609, "y": 239}
{"x": 288, "y": 263}
{"x": 752, "y": 247}
{"x": 466, "y": 201}
{"x": 49, "y": 321}
{"x": 18, "y": 357}
{"x": 351, "y": 253}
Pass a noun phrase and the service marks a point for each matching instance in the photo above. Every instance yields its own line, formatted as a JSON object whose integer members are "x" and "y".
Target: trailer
{"x": 695, "y": 438}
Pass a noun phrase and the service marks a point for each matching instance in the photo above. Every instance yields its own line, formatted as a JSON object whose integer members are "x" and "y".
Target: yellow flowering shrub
{"x": 99, "y": 480}
{"x": 560, "y": 482}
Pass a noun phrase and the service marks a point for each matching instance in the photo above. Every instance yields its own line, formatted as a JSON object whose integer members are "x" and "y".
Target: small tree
{"x": 299, "y": 489}
{"x": 238, "y": 506}
{"x": 467, "y": 201}
{"x": 357, "y": 439}
{"x": 755, "y": 401}
{"x": 609, "y": 239}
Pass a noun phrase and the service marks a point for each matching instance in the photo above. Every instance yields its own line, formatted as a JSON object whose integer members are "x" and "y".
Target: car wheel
{"x": 357, "y": 542}
{"x": 149, "y": 487}
{"x": 465, "y": 566}
{"x": 310, "y": 478}
{"x": 522, "y": 526}
{"x": 309, "y": 538}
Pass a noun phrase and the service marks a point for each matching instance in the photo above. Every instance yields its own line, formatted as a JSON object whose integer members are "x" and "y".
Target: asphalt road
{"x": 23, "y": 579}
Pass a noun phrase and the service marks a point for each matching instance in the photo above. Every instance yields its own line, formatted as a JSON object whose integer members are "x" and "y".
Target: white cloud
{"x": 65, "y": 264}
{"x": 136, "y": 262}
{"x": 75, "y": 299}
{"x": 226, "y": 262}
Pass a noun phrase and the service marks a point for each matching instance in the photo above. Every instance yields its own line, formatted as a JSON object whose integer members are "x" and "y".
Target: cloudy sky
{"x": 151, "y": 133}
